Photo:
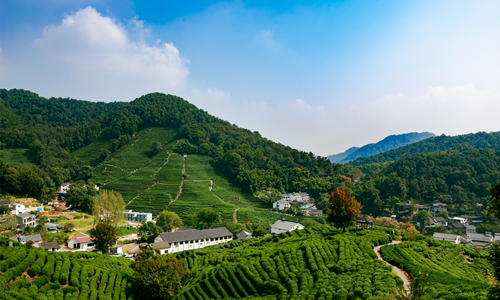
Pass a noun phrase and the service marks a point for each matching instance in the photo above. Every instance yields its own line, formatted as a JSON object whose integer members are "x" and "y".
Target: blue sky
{"x": 318, "y": 76}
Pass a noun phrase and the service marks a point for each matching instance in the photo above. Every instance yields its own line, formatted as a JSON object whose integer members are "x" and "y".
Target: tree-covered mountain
{"x": 443, "y": 142}
{"x": 54, "y": 128}
{"x": 388, "y": 143}
{"x": 467, "y": 176}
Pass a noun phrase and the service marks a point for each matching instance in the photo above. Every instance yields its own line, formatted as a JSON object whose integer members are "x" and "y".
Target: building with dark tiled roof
{"x": 24, "y": 220}
{"x": 189, "y": 239}
{"x": 53, "y": 246}
{"x": 244, "y": 235}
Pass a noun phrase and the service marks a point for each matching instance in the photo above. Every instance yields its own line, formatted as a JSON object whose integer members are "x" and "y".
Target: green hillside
{"x": 443, "y": 142}
{"x": 19, "y": 156}
{"x": 388, "y": 143}
{"x": 151, "y": 183}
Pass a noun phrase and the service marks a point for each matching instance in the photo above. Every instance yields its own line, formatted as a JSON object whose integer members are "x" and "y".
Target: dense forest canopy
{"x": 443, "y": 142}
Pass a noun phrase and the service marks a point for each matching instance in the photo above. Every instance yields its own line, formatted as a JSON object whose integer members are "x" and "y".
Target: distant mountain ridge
{"x": 388, "y": 143}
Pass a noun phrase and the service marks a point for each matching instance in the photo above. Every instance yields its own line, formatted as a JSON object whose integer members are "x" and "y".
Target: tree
{"x": 81, "y": 196}
{"x": 108, "y": 206}
{"x": 104, "y": 236}
{"x": 494, "y": 208}
{"x": 443, "y": 213}
{"x": 342, "y": 207}
{"x": 68, "y": 227}
{"x": 422, "y": 217}
{"x": 494, "y": 258}
{"x": 4, "y": 209}
{"x": 155, "y": 148}
{"x": 8, "y": 227}
{"x": 104, "y": 154}
{"x": 148, "y": 232}
{"x": 205, "y": 218}
{"x": 168, "y": 220}
{"x": 158, "y": 277}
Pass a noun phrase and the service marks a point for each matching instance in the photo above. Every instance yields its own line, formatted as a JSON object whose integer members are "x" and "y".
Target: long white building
{"x": 189, "y": 239}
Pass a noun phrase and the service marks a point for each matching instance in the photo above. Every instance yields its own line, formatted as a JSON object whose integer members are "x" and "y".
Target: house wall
{"x": 73, "y": 244}
{"x": 196, "y": 244}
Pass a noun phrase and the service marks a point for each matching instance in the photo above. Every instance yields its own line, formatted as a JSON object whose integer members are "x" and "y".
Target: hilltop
{"x": 388, "y": 143}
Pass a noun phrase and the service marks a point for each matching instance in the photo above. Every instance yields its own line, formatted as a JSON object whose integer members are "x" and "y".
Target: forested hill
{"x": 443, "y": 142}
{"x": 54, "y": 128}
{"x": 388, "y": 143}
{"x": 467, "y": 176}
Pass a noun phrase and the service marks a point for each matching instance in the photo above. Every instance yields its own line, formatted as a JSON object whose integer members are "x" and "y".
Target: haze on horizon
{"x": 319, "y": 77}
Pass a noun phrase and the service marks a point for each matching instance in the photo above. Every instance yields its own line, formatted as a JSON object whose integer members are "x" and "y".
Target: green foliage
{"x": 459, "y": 143}
{"x": 455, "y": 269}
{"x": 494, "y": 208}
{"x": 157, "y": 276}
{"x": 104, "y": 236}
{"x": 148, "y": 232}
{"x": 168, "y": 220}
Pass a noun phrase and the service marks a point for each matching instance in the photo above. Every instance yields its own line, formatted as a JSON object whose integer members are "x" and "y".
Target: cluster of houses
{"x": 301, "y": 200}
{"x": 465, "y": 226}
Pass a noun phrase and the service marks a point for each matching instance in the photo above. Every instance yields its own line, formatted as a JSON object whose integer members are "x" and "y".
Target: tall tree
{"x": 148, "y": 232}
{"x": 495, "y": 201}
{"x": 108, "y": 206}
{"x": 158, "y": 277}
{"x": 168, "y": 220}
{"x": 342, "y": 207}
{"x": 422, "y": 217}
{"x": 206, "y": 218}
{"x": 104, "y": 236}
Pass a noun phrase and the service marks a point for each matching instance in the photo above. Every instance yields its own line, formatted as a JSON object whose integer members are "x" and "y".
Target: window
{"x": 181, "y": 243}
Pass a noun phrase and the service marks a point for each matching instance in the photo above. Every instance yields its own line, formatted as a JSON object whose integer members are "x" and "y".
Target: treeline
{"x": 467, "y": 176}
{"x": 460, "y": 143}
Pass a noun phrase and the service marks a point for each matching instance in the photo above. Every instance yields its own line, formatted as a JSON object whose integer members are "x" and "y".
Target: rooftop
{"x": 161, "y": 245}
{"x": 447, "y": 236}
{"x": 284, "y": 225}
{"x": 25, "y": 215}
{"x": 52, "y": 245}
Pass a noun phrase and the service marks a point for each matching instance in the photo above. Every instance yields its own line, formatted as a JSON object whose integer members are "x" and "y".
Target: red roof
{"x": 81, "y": 238}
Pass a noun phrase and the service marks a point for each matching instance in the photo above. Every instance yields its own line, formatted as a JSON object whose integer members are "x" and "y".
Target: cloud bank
{"x": 94, "y": 57}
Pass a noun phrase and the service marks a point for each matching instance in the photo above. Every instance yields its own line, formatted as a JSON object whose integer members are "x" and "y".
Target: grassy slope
{"x": 149, "y": 184}
{"x": 16, "y": 156}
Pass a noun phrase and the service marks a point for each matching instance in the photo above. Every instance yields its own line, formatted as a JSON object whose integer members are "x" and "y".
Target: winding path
{"x": 234, "y": 215}
{"x": 401, "y": 274}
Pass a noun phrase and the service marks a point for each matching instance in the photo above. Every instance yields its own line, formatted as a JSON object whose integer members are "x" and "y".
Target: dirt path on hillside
{"x": 168, "y": 158}
{"x": 234, "y": 215}
{"x": 401, "y": 273}
{"x": 141, "y": 193}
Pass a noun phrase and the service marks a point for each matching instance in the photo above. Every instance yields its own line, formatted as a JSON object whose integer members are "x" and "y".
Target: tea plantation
{"x": 42, "y": 275}
{"x": 316, "y": 263}
{"x": 151, "y": 183}
{"x": 457, "y": 272}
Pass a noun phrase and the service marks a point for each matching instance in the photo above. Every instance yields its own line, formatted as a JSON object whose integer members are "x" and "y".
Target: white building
{"x": 189, "y": 239}
{"x": 65, "y": 187}
{"x": 458, "y": 220}
{"x": 80, "y": 242}
{"x": 162, "y": 247}
{"x": 17, "y": 208}
{"x": 284, "y": 226}
{"x": 24, "y": 220}
{"x": 447, "y": 237}
{"x": 138, "y": 216}
{"x": 281, "y": 204}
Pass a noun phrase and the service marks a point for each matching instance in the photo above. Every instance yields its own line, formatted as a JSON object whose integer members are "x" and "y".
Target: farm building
{"x": 194, "y": 239}
{"x": 284, "y": 226}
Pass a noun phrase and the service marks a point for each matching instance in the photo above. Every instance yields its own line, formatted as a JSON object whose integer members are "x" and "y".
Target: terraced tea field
{"x": 42, "y": 275}
{"x": 169, "y": 181}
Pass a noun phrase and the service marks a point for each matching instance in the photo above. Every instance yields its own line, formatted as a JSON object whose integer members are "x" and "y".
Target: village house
{"x": 454, "y": 238}
{"x": 312, "y": 211}
{"x": 53, "y": 246}
{"x": 438, "y": 206}
{"x": 189, "y": 238}
{"x": 244, "y": 235}
{"x": 162, "y": 247}
{"x": 80, "y": 242}
{"x": 439, "y": 221}
{"x": 281, "y": 204}
{"x": 284, "y": 226}
{"x": 36, "y": 239}
{"x": 53, "y": 227}
{"x": 24, "y": 220}
{"x": 138, "y": 216}
{"x": 470, "y": 228}
{"x": 116, "y": 250}
{"x": 478, "y": 239}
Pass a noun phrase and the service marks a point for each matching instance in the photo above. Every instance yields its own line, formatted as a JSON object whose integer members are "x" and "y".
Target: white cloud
{"x": 94, "y": 57}
{"x": 211, "y": 96}
{"x": 265, "y": 39}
